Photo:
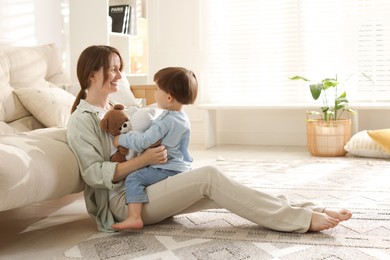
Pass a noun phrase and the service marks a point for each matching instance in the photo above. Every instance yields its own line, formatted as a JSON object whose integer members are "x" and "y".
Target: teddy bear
{"x": 120, "y": 120}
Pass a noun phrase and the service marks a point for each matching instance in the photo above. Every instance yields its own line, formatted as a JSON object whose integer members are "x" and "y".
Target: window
{"x": 253, "y": 46}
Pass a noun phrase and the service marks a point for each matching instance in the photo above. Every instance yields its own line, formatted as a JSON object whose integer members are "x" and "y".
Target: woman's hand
{"x": 156, "y": 155}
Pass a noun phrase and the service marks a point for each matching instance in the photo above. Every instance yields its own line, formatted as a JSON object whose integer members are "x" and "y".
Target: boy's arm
{"x": 116, "y": 142}
{"x": 122, "y": 142}
{"x": 138, "y": 141}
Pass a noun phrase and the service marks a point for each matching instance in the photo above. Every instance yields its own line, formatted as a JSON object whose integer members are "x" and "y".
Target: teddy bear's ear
{"x": 104, "y": 123}
{"x": 119, "y": 107}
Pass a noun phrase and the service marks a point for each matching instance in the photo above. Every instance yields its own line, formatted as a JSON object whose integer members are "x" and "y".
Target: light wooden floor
{"x": 43, "y": 230}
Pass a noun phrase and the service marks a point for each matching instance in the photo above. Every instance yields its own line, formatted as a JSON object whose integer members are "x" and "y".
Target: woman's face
{"x": 111, "y": 85}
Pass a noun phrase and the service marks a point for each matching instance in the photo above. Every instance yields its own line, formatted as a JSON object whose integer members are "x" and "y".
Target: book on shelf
{"x": 128, "y": 21}
{"x": 120, "y": 18}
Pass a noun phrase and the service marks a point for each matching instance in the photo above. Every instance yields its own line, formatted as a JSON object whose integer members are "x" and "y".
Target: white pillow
{"x": 28, "y": 66}
{"x": 51, "y": 106}
{"x": 362, "y": 145}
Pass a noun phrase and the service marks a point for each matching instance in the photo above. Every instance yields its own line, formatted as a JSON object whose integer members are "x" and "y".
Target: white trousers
{"x": 208, "y": 188}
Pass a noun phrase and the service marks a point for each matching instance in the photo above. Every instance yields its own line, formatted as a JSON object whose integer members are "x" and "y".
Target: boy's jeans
{"x": 138, "y": 180}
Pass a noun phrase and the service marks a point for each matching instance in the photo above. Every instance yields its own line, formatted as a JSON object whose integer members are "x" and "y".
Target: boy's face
{"x": 163, "y": 99}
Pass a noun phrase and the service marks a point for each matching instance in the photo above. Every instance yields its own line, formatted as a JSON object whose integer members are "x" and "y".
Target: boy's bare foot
{"x": 321, "y": 221}
{"x": 340, "y": 214}
{"x": 128, "y": 223}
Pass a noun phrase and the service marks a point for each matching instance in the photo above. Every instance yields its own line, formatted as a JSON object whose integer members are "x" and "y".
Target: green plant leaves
{"x": 316, "y": 90}
{"x": 296, "y": 77}
{"x": 327, "y": 83}
{"x": 340, "y": 101}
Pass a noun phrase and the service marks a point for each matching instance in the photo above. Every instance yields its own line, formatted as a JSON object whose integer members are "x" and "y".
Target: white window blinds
{"x": 253, "y": 46}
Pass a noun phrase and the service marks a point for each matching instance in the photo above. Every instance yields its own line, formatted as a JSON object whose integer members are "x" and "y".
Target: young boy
{"x": 176, "y": 87}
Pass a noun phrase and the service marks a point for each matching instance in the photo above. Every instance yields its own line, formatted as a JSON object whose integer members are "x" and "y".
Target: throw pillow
{"x": 362, "y": 145}
{"x": 51, "y": 106}
{"x": 382, "y": 138}
{"x": 29, "y": 65}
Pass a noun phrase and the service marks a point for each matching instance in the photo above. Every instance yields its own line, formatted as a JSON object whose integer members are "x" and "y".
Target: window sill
{"x": 359, "y": 105}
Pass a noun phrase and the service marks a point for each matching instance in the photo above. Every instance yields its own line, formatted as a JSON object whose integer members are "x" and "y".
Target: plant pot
{"x": 327, "y": 138}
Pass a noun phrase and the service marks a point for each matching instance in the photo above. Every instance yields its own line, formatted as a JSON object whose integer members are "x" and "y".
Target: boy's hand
{"x": 116, "y": 141}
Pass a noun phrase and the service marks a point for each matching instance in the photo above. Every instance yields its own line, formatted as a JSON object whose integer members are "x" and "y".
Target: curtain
{"x": 253, "y": 46}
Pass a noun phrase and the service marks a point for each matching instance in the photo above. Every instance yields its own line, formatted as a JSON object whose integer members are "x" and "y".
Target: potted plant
{"x": 329, "y": 130}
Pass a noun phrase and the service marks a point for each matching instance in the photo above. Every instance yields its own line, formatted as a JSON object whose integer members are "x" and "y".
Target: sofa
{"x": 36, "y": 96}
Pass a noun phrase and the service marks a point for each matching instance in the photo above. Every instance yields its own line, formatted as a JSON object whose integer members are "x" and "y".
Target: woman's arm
{"x": 156, "y": 155}
{"x": 90, "y": 145}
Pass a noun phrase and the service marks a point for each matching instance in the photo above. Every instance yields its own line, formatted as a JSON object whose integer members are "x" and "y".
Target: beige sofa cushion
{"x": 6, "y": 129}
{"x": 10, "y": 107}
{"x": 26, "y": 67}
{"x": 51, "y": 105}
{"x": 35, "y": 167}
{"x": 25, "y": 124}
{"x": 29, "y": 66}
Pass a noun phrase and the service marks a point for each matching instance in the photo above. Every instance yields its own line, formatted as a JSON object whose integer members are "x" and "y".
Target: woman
{"x": 98, "y": 71}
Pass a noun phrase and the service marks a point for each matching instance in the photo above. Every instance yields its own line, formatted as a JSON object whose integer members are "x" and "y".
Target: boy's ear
{"x": 170, "y": 98}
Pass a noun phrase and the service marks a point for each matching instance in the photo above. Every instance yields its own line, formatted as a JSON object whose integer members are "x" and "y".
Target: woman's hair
{"x": 91, "y": 60}
{"x": 179, "y": 82}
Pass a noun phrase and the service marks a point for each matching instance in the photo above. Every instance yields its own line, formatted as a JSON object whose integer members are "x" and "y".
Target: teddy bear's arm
{"x": 118, "y": 157}
{"x": 123, "y": 150}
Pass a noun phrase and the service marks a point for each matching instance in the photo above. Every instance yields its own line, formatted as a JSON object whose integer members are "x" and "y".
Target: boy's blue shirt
{"x": 173, "y": 129}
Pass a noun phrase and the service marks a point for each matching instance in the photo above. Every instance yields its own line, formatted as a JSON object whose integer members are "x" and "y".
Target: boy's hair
{"x": 179, "y": 82}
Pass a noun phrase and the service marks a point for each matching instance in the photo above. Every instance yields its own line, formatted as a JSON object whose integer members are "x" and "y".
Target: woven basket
{"x": 327, "y": 138}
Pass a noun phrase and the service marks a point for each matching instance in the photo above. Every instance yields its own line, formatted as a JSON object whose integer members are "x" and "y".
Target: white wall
{"x": 86, "y": 28}
{"x": 175, "y": 40}
{"x": 32, "y": 22}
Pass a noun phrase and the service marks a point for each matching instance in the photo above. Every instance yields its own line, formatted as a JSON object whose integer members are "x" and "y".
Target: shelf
{"x": 148, "y": 92}
{"x": 124, "y": 35}
{"x": 134, "y": 48}
{"x": 137, "y": 79}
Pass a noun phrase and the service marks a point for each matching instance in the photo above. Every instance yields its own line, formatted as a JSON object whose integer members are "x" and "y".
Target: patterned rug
{"x": 360, "y": 185}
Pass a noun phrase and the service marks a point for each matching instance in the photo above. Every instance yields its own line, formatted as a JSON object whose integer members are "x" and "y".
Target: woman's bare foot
{"x": 129, "y": 223}
{"x": 322, "y": 221}
{"x": 340, "y": 214}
